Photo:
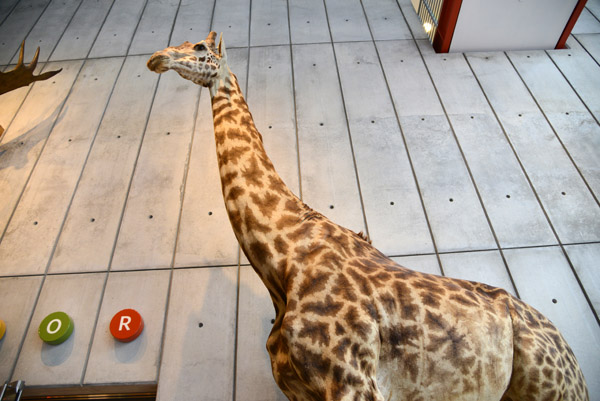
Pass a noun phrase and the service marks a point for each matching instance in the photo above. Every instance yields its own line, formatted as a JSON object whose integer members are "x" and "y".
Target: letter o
{"x": 56, "y": 328}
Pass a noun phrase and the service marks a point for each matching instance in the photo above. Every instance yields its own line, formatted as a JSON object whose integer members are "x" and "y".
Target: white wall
{"x": 510, "y": 24}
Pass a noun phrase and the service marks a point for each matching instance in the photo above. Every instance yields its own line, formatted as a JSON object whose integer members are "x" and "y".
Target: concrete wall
{"x": 111, "y": 197}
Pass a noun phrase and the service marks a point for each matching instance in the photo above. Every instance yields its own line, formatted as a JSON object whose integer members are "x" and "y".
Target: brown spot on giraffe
{"x": 339, "y": 329}
{"x": 281, "y": 246}
{"x": 232, "y": 155}
{"x": 317, "y": 332}
{"x": 330, "y": 260}
{"x": 251, "y": 223}
{"x": 354, "y": 320}
{"x": 276, "y": 185}
{"x": 234, "y": 192}
{"x": 228, "y": 116}
{"x": 253, "y": 174}
{"x": 302, "y": 231}
{"x": 227, "y": 179}
{"x": 308, "y": 254}
{"x": 234, "y": 134}
{"x": 328, "y": 307}
{"x": 259, "y": 251}
{"x": 287, "y": 220}
{"x": 362, "y": 282}
{"x": 314, "y": 281}
{"x": 351, "y": 324}
{"x": 344, "y": 289}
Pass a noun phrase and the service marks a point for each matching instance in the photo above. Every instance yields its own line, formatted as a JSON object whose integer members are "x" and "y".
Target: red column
{"x": 570, "y": 24}
{"x": 446, "y": 25}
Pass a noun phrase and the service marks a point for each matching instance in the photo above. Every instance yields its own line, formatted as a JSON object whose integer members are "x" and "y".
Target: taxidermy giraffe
{"x": 350, "y": 323}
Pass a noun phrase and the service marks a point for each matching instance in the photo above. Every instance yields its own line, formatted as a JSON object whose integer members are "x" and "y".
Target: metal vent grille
{"x": 429, "y": 13}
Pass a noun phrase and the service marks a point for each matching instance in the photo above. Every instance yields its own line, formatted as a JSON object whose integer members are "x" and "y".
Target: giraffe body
{"x": 350, "y": 323}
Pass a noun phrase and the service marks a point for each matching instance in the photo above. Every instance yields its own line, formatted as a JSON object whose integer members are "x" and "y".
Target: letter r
{"x": 125, "y": 320}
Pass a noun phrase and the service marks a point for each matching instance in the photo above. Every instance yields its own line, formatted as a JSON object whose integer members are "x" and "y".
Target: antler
{"x": 22, "y": 75}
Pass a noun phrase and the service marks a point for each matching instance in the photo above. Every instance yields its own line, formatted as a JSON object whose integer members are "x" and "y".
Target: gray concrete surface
{"x": 483, "y": 166}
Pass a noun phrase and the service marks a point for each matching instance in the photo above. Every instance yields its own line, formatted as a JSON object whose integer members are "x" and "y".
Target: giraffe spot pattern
{"x": 232, "y": 155}
{"x": 253, "y": 174}
{"x": 281, "y": 246}
{"x": 307, "y": 255}
{"x": 260, "y": 251}
{"x": 234, "y": 193}
{"x": 317, "y": 332}
{"x": 285, "y": 221}
{"x": 356, "y": 323}
{"x": 314, "y": 281}
{"x": 227, "y": 179}
{"x": 251, "y": 223}
{"x": 328, "y": 307}
{"x": 344, "y": 289}
{"x": 304, "y": 231}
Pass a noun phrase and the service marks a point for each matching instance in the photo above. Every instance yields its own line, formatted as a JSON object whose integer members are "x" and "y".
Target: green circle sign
{"x": 56, "y": 328}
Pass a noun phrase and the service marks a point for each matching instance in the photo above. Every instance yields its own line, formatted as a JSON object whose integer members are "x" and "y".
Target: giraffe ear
{"x": 222, "y": 50}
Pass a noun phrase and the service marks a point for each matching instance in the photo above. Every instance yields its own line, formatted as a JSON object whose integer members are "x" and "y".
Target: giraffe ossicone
{"x": 350, "y": 323}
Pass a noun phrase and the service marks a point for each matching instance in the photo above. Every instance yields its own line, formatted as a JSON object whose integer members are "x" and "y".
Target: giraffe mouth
{"x": 158, "y": 63}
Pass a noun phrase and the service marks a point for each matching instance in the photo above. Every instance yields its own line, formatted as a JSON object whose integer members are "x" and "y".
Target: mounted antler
{"x": 22, "y": 75}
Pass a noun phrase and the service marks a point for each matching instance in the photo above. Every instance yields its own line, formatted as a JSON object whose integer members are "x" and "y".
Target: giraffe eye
{"x": 199, "y": 47}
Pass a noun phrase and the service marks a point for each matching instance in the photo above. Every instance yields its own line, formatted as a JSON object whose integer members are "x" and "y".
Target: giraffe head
{"x": 202, "y": 63}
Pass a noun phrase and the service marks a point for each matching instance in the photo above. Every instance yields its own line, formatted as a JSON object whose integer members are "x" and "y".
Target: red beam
{"x": 570, "y": 24}
{"x": 446, "y": 25}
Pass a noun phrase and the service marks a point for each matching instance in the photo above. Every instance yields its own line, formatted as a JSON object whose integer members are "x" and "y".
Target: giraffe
{"x": 351, "y": 324}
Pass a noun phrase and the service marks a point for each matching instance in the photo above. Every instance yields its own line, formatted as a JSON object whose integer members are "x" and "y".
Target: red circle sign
{"x": 126, "y": 325}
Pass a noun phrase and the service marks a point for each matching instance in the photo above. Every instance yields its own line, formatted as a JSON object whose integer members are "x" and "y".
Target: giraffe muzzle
{"x": 158, "y": 63}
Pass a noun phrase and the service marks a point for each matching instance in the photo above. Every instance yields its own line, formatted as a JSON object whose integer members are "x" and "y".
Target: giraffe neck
{"x": 261, "y": 208}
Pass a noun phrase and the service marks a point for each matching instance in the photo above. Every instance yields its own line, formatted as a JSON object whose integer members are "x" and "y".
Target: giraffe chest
{"x": 286, "y": 375}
